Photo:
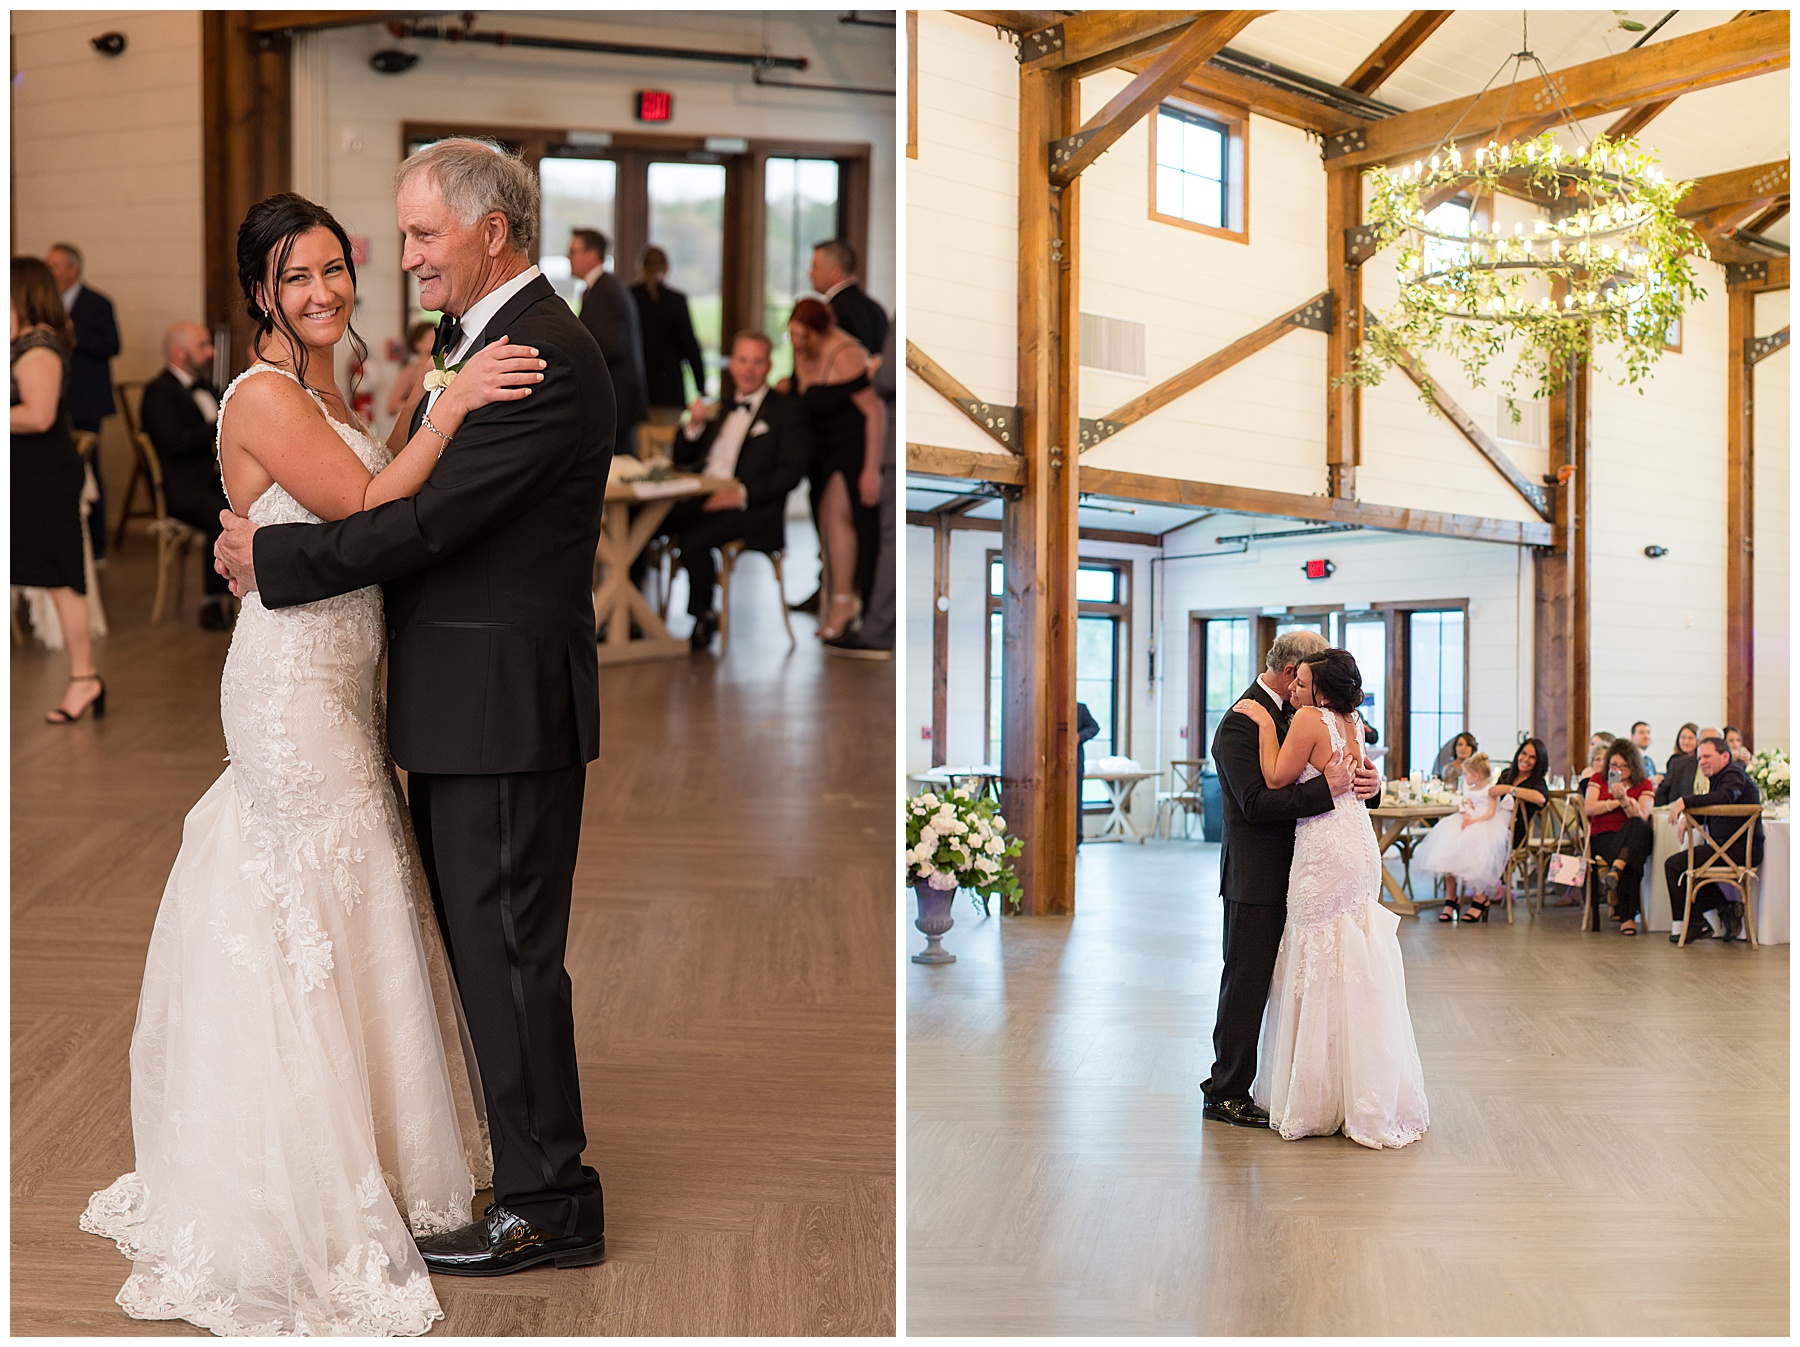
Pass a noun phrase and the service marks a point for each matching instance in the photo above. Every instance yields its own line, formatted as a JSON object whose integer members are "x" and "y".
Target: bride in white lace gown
{"x": 1337, "y": 1041}
{"x": 295, "y": 1112}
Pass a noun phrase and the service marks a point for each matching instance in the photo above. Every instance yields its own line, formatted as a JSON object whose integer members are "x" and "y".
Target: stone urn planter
{"x": 934, "y": 920}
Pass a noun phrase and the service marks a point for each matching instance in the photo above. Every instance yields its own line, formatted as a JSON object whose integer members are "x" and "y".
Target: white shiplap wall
{"x": 348, "y": 118}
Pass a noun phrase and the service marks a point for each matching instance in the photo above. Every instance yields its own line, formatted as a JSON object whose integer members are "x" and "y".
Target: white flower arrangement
{"x": 957, "y": 841}
{"x": 1772, "y": 773}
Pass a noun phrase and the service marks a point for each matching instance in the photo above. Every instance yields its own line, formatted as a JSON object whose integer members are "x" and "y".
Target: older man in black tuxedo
{"x": 493, "y": 686}
{"x": 1253, "y": 873}
{"x": 180, "y": 414}
{"x": 1727, "y": 783}
{"x": 761, "y": 438}
{"x": 90, "y": 371}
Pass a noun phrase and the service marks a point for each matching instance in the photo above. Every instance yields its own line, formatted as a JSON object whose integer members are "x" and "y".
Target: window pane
{"x": 1436, "y": 707}
{"x": 1227, "y": 674}
{"x": 1169, "y": 193}
{"x": 996, "y": 577}
{"x": 1169, "y": 139}
{"x": 1205, "y": 152}
{"x": 800, "y": 200}
{"x": 1367, "y": 644}
{"x": 1096, "y": 584}
{"x": 687, "y": 221}
{"x": 1205, "y": 203}
{"x": 1452, "y": 217}
{"x": 1096, "y": 641}
{"x": 578, "y": 194}
{"x": 994, "y": 683}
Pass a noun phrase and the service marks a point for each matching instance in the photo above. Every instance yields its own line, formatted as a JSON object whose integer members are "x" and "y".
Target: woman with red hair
{"x": 831, "y": 374}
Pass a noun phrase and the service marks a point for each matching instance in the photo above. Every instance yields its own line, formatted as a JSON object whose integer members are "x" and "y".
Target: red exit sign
{"x": 655, "y": 105}
{"x": 1318, "y": 570}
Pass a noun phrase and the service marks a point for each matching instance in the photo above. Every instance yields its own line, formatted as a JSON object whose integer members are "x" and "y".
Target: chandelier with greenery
{"x": 1607, "y": 268}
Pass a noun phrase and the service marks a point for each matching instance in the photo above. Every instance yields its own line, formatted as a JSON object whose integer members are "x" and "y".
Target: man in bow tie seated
{"x": 761, "y": 439}
{"x": 181, "y": 415}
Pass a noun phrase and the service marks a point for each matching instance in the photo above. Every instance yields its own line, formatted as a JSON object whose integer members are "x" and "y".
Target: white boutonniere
{"x": 440, "y": 377}
{"x": 760, "y": 428}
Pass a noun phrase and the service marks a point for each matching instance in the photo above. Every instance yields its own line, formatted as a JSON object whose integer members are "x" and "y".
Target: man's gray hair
{"x": 478, "y": 178}
{"x": 1292, "y": 647}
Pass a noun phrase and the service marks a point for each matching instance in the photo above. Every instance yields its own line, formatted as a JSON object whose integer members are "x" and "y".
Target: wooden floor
{"x": 1608, "y": 1151}
{"x": 731, "y": 951}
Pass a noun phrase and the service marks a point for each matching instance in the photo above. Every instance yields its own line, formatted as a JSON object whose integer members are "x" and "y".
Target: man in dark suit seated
{"x": 1727, "y": 784}
{"x": 90, "y": 372}
{"x": 761, "y": 438}
{"x": 833, "y": 275}
{"x": 181, "y": 416}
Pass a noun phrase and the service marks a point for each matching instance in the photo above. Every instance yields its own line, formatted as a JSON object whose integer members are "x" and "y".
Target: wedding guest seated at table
{"x": 1470, "y": 845}
{"x": 1678, "y": 772}
{"x": 1640, "y": 740}
{"x": 1734, "y": 737}
{"x": 180, "y": 414}
{"x": 1618, "y": 807}
{"x": 1729, "y": 784}
{"x": 759, "y": 436}
{"x": 1526, "y": 780}
{"x": 1447, "y": 766}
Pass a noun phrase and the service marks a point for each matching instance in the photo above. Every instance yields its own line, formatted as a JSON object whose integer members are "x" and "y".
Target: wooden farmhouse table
{"x": 1393, "y": 823}
{"x": 633, "y": 513}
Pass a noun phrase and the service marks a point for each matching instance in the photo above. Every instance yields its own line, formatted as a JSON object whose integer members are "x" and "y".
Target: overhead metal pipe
{"x": 438, "y": 33}
{"x": 757, "y": 77}
{"x": 1320, "y": 91}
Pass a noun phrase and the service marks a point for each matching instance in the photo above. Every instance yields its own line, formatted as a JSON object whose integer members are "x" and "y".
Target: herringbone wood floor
{"x": 731, "y": 951}
{"x": 1608, "y": 1151}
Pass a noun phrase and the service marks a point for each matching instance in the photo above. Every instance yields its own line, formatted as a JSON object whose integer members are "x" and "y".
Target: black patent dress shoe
{"x": 1702, "y": 930}
{"x": 1237, "y": 1112}
{"x": 706, "y": 626}
{"x": 1734, "y": 920}
{"x": 501, "y": 1242}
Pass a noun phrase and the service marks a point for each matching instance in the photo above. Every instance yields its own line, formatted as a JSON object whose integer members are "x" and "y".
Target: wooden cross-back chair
{"x": 1182, "y": 796}
{"x": 129, "y": 397}
{"x": 174, "y": 537}
{"x": 1717, "y": 867}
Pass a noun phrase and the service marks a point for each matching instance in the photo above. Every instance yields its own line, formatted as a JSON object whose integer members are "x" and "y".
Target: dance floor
{"x": 1608, "y": 1151}
{"x": 731, "y": 951}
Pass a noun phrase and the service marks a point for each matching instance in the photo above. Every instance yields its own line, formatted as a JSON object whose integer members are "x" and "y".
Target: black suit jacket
{"x": 861, "y": 317}
{"x": 1678, "y": 778}
{"x": 1258, "y": 821}
{"x": 487, "y": 572}
{"x": 769, "y": 465}
{"x": 1731, "y": 786}
{"x": 90, "y": 372}
{"x": 669, "y": 342}
{"x": 185, "y": 442}
{"x": 611, "y": 317}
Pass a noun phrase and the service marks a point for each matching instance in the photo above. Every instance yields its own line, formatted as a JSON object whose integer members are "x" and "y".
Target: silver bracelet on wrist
{"x": 435, "y": 431}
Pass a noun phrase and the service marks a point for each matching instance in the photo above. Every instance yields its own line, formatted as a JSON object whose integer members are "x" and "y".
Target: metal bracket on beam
{"x": 1000, "y": 421}
{"x": 1540, "y": 500}
{"x": 1344, "y": 142}
{"x": 1061, "y": 151}
{"x": 1036, "y": 46}
{"x": 1760, "y": 348}
{"x": 1092, "y": 432}
{"x": 1737, "y": 273}
{"x": 1316, "y": 316}
{"x": 1360, "y": 244}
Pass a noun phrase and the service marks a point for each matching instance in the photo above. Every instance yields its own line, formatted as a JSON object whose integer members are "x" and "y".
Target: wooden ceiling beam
{"x": 1719, "y": 55}
{"x": 1395, "y": 48}
{"x": 1759, "y": 182}
{"x": 965, "y": 465}
{"x": 306, "y": 20}
{"x": 1188, "y": 50}
{"x": 994, "y": 419}
{"x": 1013, "y": 20}
{"x": 1637, "y": 119}
{"x": 1209, "y": 83}
{"x": 1100, "y": 37}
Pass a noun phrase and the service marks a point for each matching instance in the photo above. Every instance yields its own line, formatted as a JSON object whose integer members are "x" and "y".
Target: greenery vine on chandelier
{"x": 1620, "y": 255}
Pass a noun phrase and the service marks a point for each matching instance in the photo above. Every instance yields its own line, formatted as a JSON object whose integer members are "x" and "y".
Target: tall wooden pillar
{"x": 1039, "y": 534}
{"x": 248, "y": 141}
{"x": 1343, "y": 402}
{"x": 1740, "y": 514}
{"x": 940, "y": 641}
{"x": 1560, "y": 686}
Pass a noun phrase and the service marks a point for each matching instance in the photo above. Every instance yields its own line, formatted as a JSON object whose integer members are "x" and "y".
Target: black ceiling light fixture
{"x": 109, "y": 44}
{"x": 1653, "y": 551}
{"x": 393, "y": 61}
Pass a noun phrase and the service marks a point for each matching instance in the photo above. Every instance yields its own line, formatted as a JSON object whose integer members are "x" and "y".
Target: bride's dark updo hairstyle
{"x": 265, "y": 242}
{"x": 1337, "y": 682}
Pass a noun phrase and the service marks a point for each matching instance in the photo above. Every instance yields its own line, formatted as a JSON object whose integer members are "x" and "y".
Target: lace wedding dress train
{"x": 1337, "y": 1040}
{"x": 294, "y": 1109}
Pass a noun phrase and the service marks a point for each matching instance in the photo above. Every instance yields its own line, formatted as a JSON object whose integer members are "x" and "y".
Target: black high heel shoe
{"x": 58, "y": 716}
{"x": 1447, "y": 912}
{"x": 1477, "y": 911}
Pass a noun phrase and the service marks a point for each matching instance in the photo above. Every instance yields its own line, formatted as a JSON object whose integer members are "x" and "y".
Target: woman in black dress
{"x": 831, "y": 372}
{"x": 669, "y": 340}
{"x": 47, "y": 477}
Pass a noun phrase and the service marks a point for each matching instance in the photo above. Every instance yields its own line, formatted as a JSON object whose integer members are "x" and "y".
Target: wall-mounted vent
{"x": 1114, "y": 345}
{"x": 1533, "y": 425}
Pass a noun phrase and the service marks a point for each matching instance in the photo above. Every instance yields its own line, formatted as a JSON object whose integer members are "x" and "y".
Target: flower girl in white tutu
{"x": 1471, "y": 845}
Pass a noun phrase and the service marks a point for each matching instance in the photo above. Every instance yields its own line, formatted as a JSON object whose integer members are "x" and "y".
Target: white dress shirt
{"x": 735, "y": 426}
{"x": 477, "y": 318}
{"x": 832, "y": 293}
{"x": 203, "y": 398}
{"x": 1274, "y": 696}
{"x": 68, "y": 297}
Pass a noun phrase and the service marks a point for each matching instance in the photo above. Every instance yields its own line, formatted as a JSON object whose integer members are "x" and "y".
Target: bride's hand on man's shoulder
{"x": 501, "y": 371}
{"x": 1249, "y": 706}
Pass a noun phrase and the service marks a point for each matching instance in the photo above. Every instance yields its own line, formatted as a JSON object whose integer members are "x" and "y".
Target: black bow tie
{"x": 744, "y": 404}
{"x": 449, "y": 333}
